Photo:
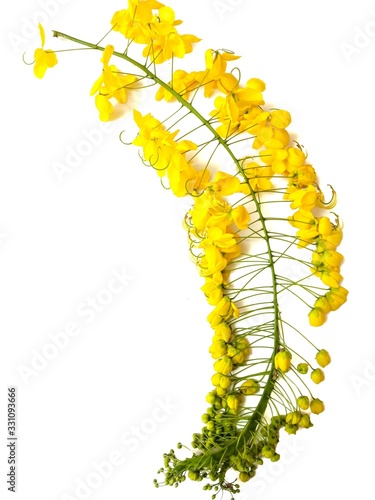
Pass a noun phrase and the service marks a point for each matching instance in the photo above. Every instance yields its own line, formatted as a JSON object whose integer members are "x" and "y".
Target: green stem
{"x": 256, "y": 418}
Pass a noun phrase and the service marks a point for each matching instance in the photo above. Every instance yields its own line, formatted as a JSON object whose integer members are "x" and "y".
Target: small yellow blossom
{"x": 44, "y": 59}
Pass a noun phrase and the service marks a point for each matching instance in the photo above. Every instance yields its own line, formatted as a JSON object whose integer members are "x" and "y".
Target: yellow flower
{"x": 134, "y": 22}
{"x": 212, "y": 261}
{"x": 295, "y": 159}
{"x": 215, "y": 77}
{"x": 302, "y": 176}
{"x": 157, "y": 30}
{"x": 220, "y": 239}
{"x": 44, "y": 59}
{"x": 283, "y": 360}
{"x": 183, "y": 83}
{"x": 213, "y": 288}
{"x": 231, "y": 109}
{"x": 111, "y": 84}
{"x": 280, "y": 118}
{"x": 303, "y": 198}
{"x": 224, "y": 310}
{"x": 259, "y": 176}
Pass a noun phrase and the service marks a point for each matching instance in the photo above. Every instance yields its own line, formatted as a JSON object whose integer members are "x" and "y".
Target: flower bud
{"x": 293, "y": 418}
{"x": 224, "y": 365}
{"x": 303, "y": 402}
{"x": 211, "y": 425}
{"x": 218, "y": 349}
{"x": 233, "y": 401}
{"x": 268, "y": 451}
{"x": 211, "y": 397}
{"x": 317, "y": 376}
{"x": 221, "y": 391}
{"x": 223, "y": 332}
{"x": 305, "y": 422}
{"x": 317, "y": 316}
{"x": 323, "y": 304}
{"x": 215, "y": 379}
{"x": 316, "y": 406}
{"x": 282, "y": 361}
{"x": 244, "y": 477}
{"x": 302, "y": 368}
{"x": 249, "y": 387}
{"x": 193, "y": 475}
{"x": 323, "y": 358}
{"x": 225, "y": 382}
{"x": 291, "y": 428}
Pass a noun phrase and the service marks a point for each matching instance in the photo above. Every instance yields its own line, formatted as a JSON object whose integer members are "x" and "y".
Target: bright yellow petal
{"x": 42, "y": 34}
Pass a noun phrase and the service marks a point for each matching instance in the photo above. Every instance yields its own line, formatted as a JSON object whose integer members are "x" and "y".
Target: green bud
{"x": 303, "y": 368}
{"x": 290, "y": 428}
{"x": 244, "y": 477}
{"x": 268, "y": 451}
{"x": 211, "y": 397}
{"x": 211, "y": 425}
{"x": 193, "y": 475}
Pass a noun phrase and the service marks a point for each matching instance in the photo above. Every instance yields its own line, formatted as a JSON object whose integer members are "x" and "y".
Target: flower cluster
{"x": 152, "y": 24}
{"x": 257, "y": 388}
{"x": 111, "y": 85}
{"x": 168, "y": 156}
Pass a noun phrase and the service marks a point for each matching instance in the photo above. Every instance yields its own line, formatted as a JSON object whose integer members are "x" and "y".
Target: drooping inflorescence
{"x": 260, "y": 234}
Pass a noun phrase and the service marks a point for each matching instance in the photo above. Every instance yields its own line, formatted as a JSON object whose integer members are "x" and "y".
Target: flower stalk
{"x": 241, "y": 238}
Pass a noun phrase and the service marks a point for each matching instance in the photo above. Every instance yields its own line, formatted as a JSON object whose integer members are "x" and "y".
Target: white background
{"x": 142, "y": 362}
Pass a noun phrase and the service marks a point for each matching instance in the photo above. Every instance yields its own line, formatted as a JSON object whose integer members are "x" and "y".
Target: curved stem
{"x": 256, "y": 418}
